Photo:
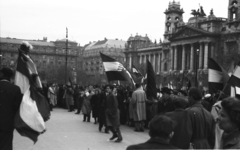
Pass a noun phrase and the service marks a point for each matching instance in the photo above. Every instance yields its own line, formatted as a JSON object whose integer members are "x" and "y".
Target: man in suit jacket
{"x": 161, "y": 131}
{"x": 10, "y": 99}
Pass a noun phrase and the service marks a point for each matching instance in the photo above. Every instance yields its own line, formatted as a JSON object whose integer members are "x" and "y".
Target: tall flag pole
{"x": 66, "y": 55}
{"x": 115, "y": 70}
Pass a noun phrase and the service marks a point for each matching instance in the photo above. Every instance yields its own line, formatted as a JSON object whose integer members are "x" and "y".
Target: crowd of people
{"x": 176, "y": 119}
{"x": 183, "y": 119}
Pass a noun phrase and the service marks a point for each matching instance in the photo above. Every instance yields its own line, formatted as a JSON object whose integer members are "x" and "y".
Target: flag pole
{"x": 66, "y": 55}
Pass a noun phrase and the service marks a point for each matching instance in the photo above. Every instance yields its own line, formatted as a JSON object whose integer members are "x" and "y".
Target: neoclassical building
{"x": 92, "y": 63}
{"x": 45, "y": 54}
{"x": 183, "y": 54}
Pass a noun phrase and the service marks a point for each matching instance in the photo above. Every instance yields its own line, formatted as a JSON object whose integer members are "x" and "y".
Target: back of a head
{"x": 7, "y": 73}
{"x": 161, "y": 126}
{"x": 137, "y": 85}
{"x": 180, "y": 102}
{"x": 195, "y": 93}
{"x": 232, "y": 106}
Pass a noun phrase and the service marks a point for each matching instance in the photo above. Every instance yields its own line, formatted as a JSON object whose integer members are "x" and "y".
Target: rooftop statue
{"x": 198, "y": 13}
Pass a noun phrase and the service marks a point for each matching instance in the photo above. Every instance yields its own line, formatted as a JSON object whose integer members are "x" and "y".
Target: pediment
{"x": 188, "y": 33}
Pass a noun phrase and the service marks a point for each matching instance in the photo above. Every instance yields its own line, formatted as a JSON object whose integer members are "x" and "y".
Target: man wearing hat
{"x": 10, "y": 99}
{"x": 165, "y": 103}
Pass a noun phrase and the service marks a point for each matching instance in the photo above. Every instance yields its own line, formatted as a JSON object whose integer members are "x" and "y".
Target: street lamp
{"x": 196, "y": 68}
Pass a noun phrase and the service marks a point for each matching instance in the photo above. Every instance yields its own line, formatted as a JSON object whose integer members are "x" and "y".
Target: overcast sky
{"x": 93, "y": 20}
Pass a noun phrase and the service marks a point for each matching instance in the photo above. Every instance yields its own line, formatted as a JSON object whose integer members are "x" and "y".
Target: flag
{"x": 234, "y": 80}
{"x": 217, "y": 78}
{"x": 34, "y": 109}
{"x": 151, "y": 82}
{"x": 115, "y": 70}
{"x": 136, "y": 72}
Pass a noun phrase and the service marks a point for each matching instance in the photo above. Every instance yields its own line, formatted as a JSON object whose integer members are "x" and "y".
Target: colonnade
{"x": 179, "y": 57}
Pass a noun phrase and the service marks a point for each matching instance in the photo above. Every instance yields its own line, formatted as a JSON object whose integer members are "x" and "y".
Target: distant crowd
{"x": 175, "y": 119}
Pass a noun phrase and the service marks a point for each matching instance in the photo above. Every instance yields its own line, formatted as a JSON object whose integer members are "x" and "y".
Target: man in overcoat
{"x": 112, "y": 114}
{"x": 10, "y": 100}
{"x": 139, "y": 107}
{"x": 200, "y": 127}
{"x": 180, "y": 117}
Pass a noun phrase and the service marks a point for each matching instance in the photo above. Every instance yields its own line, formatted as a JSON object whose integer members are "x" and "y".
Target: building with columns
{"x": 183, "y": 54}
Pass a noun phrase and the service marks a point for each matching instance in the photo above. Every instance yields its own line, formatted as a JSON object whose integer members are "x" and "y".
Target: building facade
{"x": 48, "y": 56}
{"x": 183, "y": 54}
{"x": 92, "y": 63}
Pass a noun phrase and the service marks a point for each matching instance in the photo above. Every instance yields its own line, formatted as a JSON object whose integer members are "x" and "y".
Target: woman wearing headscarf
{"x": 229, "y": 122}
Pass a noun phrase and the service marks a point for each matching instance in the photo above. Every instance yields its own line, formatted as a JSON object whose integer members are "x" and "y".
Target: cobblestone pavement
{"x": 67, "y": 131}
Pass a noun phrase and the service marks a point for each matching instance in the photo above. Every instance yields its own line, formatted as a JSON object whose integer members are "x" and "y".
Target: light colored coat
{"x": 139, "y": 105}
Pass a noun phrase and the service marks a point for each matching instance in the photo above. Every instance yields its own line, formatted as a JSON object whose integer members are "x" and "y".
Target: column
{"x": 149, "y": 57}
{"x": 183, "y": 57}
{"x": 175, "y": 58}
{"x": 192, "y": 57}
{"x": 145, "y": 58}
{"x": 200, "y": 56}
{"x": 212, "y": 50}
{"x": 162, "y": 62}
{"x": 140, "y": 59}
{"x": 154, "y": 62}
{"x": 206, "y": 55}
{"x": 159, "y": 60}
{"x": 130, "y": 61}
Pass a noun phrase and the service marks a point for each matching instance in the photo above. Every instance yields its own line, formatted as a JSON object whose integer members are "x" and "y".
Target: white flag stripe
{"x": 29, "y": 113}
{"x": 215, "y": 76}
{"x": 237, "y": 72}
{"x": 237, "y": 90}
{"x": 21, "y": 81}
{"x": 112, "y": 66}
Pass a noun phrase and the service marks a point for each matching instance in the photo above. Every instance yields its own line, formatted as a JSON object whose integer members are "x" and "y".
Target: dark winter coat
{"x": 10, "y": 100}
{"x": 179, "y": 137}
{"x": 200, "y": 127}
{"x": 112, "y": 111}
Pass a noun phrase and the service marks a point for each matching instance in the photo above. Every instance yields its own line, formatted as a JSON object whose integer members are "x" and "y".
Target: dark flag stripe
{"x": 212, "y": 64}
{"x": 151, "y": 82}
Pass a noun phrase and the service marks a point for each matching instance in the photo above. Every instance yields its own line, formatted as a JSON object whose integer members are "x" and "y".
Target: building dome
{"x": 138, "y": 38}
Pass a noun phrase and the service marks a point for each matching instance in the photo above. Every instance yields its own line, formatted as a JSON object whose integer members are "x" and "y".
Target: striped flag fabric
{"x": 234, "y": 80}
{"x": 217, "y": 78}
{"x": 136, "y": 72}
{"x": 34, "y": 109}
{"x": 115, "y": 70}
{"x": 151, "y": 82}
